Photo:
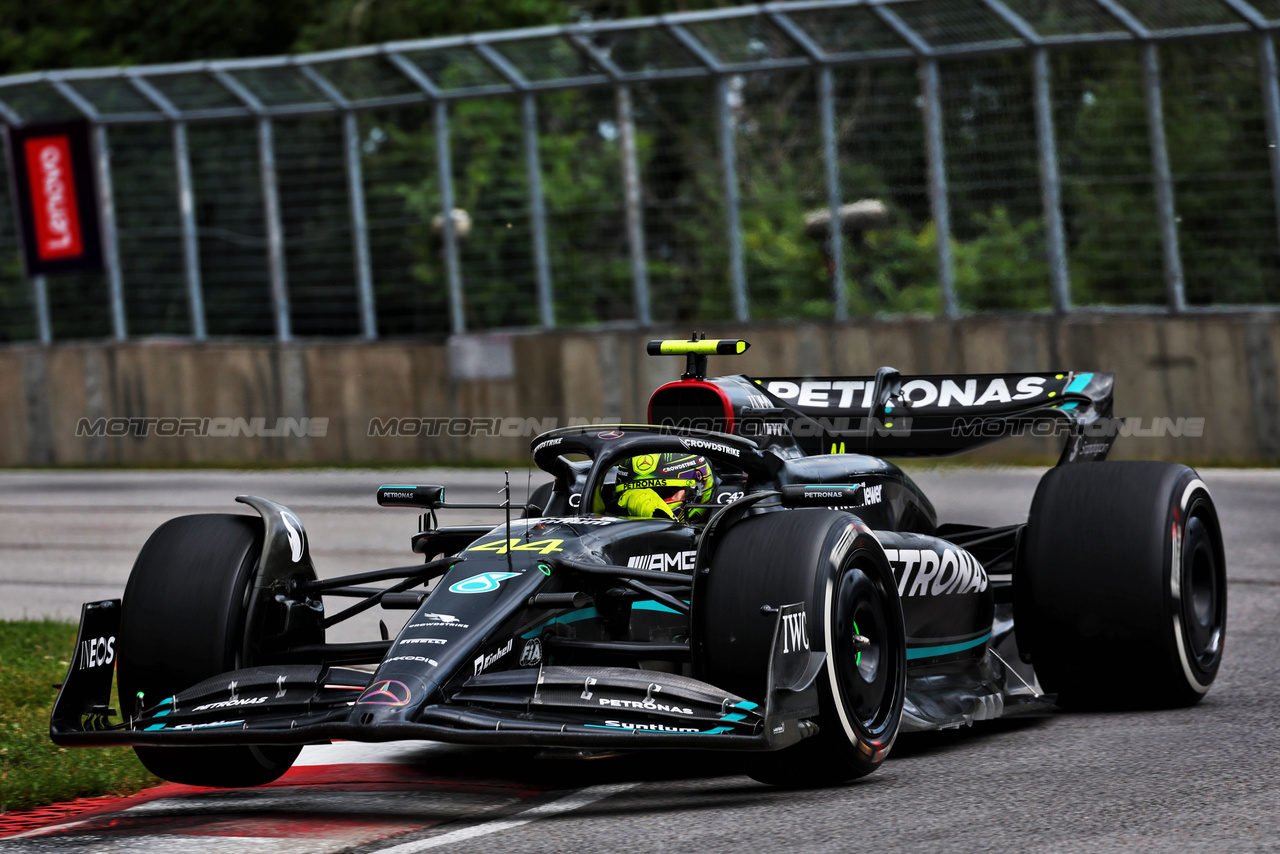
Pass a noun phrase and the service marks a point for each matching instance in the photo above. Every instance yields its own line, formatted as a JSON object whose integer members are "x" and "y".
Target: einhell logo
{"x": 53, "y": 197}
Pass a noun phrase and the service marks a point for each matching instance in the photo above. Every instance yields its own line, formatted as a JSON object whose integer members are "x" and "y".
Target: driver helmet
{"x": 651, "y": 485}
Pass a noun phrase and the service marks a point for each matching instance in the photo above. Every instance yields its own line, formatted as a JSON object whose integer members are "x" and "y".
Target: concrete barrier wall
{"x": 1218, "y": 367}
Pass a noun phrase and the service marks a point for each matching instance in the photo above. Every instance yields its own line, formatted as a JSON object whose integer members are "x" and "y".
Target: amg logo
{"x": 925, "y": 572}
{"x": 795, "y": 632}
{"x": 680, "y": 561}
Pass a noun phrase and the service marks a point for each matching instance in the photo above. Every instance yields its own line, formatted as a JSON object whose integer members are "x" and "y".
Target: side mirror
{"x": 888, "y": 387}
{"x": 424, "y": 497}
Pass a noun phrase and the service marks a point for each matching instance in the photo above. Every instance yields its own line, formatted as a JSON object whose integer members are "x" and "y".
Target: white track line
{"x": 570, "y": 802}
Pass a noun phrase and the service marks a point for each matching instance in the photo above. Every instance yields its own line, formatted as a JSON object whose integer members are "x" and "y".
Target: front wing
{"x": 582, "y": 707}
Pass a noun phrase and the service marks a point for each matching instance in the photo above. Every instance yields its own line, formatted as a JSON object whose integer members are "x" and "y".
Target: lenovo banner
{"x": 51, "y": 168}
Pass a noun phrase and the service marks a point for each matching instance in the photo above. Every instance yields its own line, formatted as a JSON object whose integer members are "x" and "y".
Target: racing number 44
{"x": 501, "y": 547}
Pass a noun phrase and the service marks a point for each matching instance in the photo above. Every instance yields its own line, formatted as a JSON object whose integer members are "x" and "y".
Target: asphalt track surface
{"x": 1204, "y": 778}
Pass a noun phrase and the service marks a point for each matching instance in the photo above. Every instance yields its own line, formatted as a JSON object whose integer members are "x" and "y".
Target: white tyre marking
{"x": 581, "y": 798}
{"x": 1175, "y": 582}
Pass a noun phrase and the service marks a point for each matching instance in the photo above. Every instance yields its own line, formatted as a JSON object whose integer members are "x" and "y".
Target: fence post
{"x": 1271, "y": 102}
{"x": 40, "y": 298}
{"x": 359, "y": 226}
{"x": 729, "y": 176}
{"x": 635, "y": 211}
{"x": 1163, "y": 178}
{"x": 186, "y": 201}
{"x": 110, "y": 246}
{"x": 453, "y": 270}
{"x": 831, "y": 157}
{"x": 190, "y": 240}
{"x": 275, "y": 229}
{"x": 1050, "y": 185}
{"x": 538, "y": 212}
{"x": 938, "y": 185}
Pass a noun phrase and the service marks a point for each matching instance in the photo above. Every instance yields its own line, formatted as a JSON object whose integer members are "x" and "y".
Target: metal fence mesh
{"x": 1108, "y": 196}
{"x": 1073, "y": 153}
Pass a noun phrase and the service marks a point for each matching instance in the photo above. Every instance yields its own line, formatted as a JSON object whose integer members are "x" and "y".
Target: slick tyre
{"x": 829, "y": 561}
{"x": 182, "y": 621}
{"x": 1120, "y": 596}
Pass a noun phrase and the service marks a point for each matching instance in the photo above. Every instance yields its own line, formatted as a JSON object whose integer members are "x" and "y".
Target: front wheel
{"x": 829, "y": 561}
{"x": 183, "y": 620}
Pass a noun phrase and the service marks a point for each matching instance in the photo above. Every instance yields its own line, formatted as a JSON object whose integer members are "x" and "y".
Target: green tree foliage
{"x": 1213, "y": 116}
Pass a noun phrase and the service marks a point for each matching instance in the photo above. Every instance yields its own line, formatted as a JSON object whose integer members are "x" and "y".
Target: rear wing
{"x": 937, "y": 414}
{"x": 887, "y": 415}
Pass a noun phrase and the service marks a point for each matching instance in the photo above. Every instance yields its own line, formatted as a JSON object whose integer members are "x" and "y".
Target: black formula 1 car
{"x": 807, "y": 607}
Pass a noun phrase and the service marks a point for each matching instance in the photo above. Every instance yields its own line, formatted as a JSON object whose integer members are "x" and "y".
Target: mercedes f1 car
{"x": 745, "y": 572}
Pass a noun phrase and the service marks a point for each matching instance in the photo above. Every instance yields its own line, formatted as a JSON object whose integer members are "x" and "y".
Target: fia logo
{"x": 795, "y": 632}
{"x": 531, "y": 655}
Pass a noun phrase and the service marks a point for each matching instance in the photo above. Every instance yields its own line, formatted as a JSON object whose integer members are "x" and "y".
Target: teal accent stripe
{"x": 1078, "y": 383}
{"x": 592, "y": 613}
{"x": 1071, "y": 405}
{"x": 571, "y": 617}
{"x": 650, "y": 605}
{"x": 746, "y": 704}
{"x": 932, "y": 651}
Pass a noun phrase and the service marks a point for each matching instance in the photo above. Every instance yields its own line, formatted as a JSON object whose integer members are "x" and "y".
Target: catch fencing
{"x": 975, "y": 155}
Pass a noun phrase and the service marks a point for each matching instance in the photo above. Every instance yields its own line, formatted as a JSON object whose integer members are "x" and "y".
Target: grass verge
{"x": 33, "y": 770}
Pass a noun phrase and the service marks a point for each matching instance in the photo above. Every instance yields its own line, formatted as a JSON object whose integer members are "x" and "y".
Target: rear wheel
{"x": 182, "y": 621}
{"x": 826, "y": 560}
{"x": 1121, "y": 595}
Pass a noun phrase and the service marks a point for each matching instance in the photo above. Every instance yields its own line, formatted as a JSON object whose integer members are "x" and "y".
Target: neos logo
{"x": 97, "y": 652}
{"x": 485, "y": 582}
